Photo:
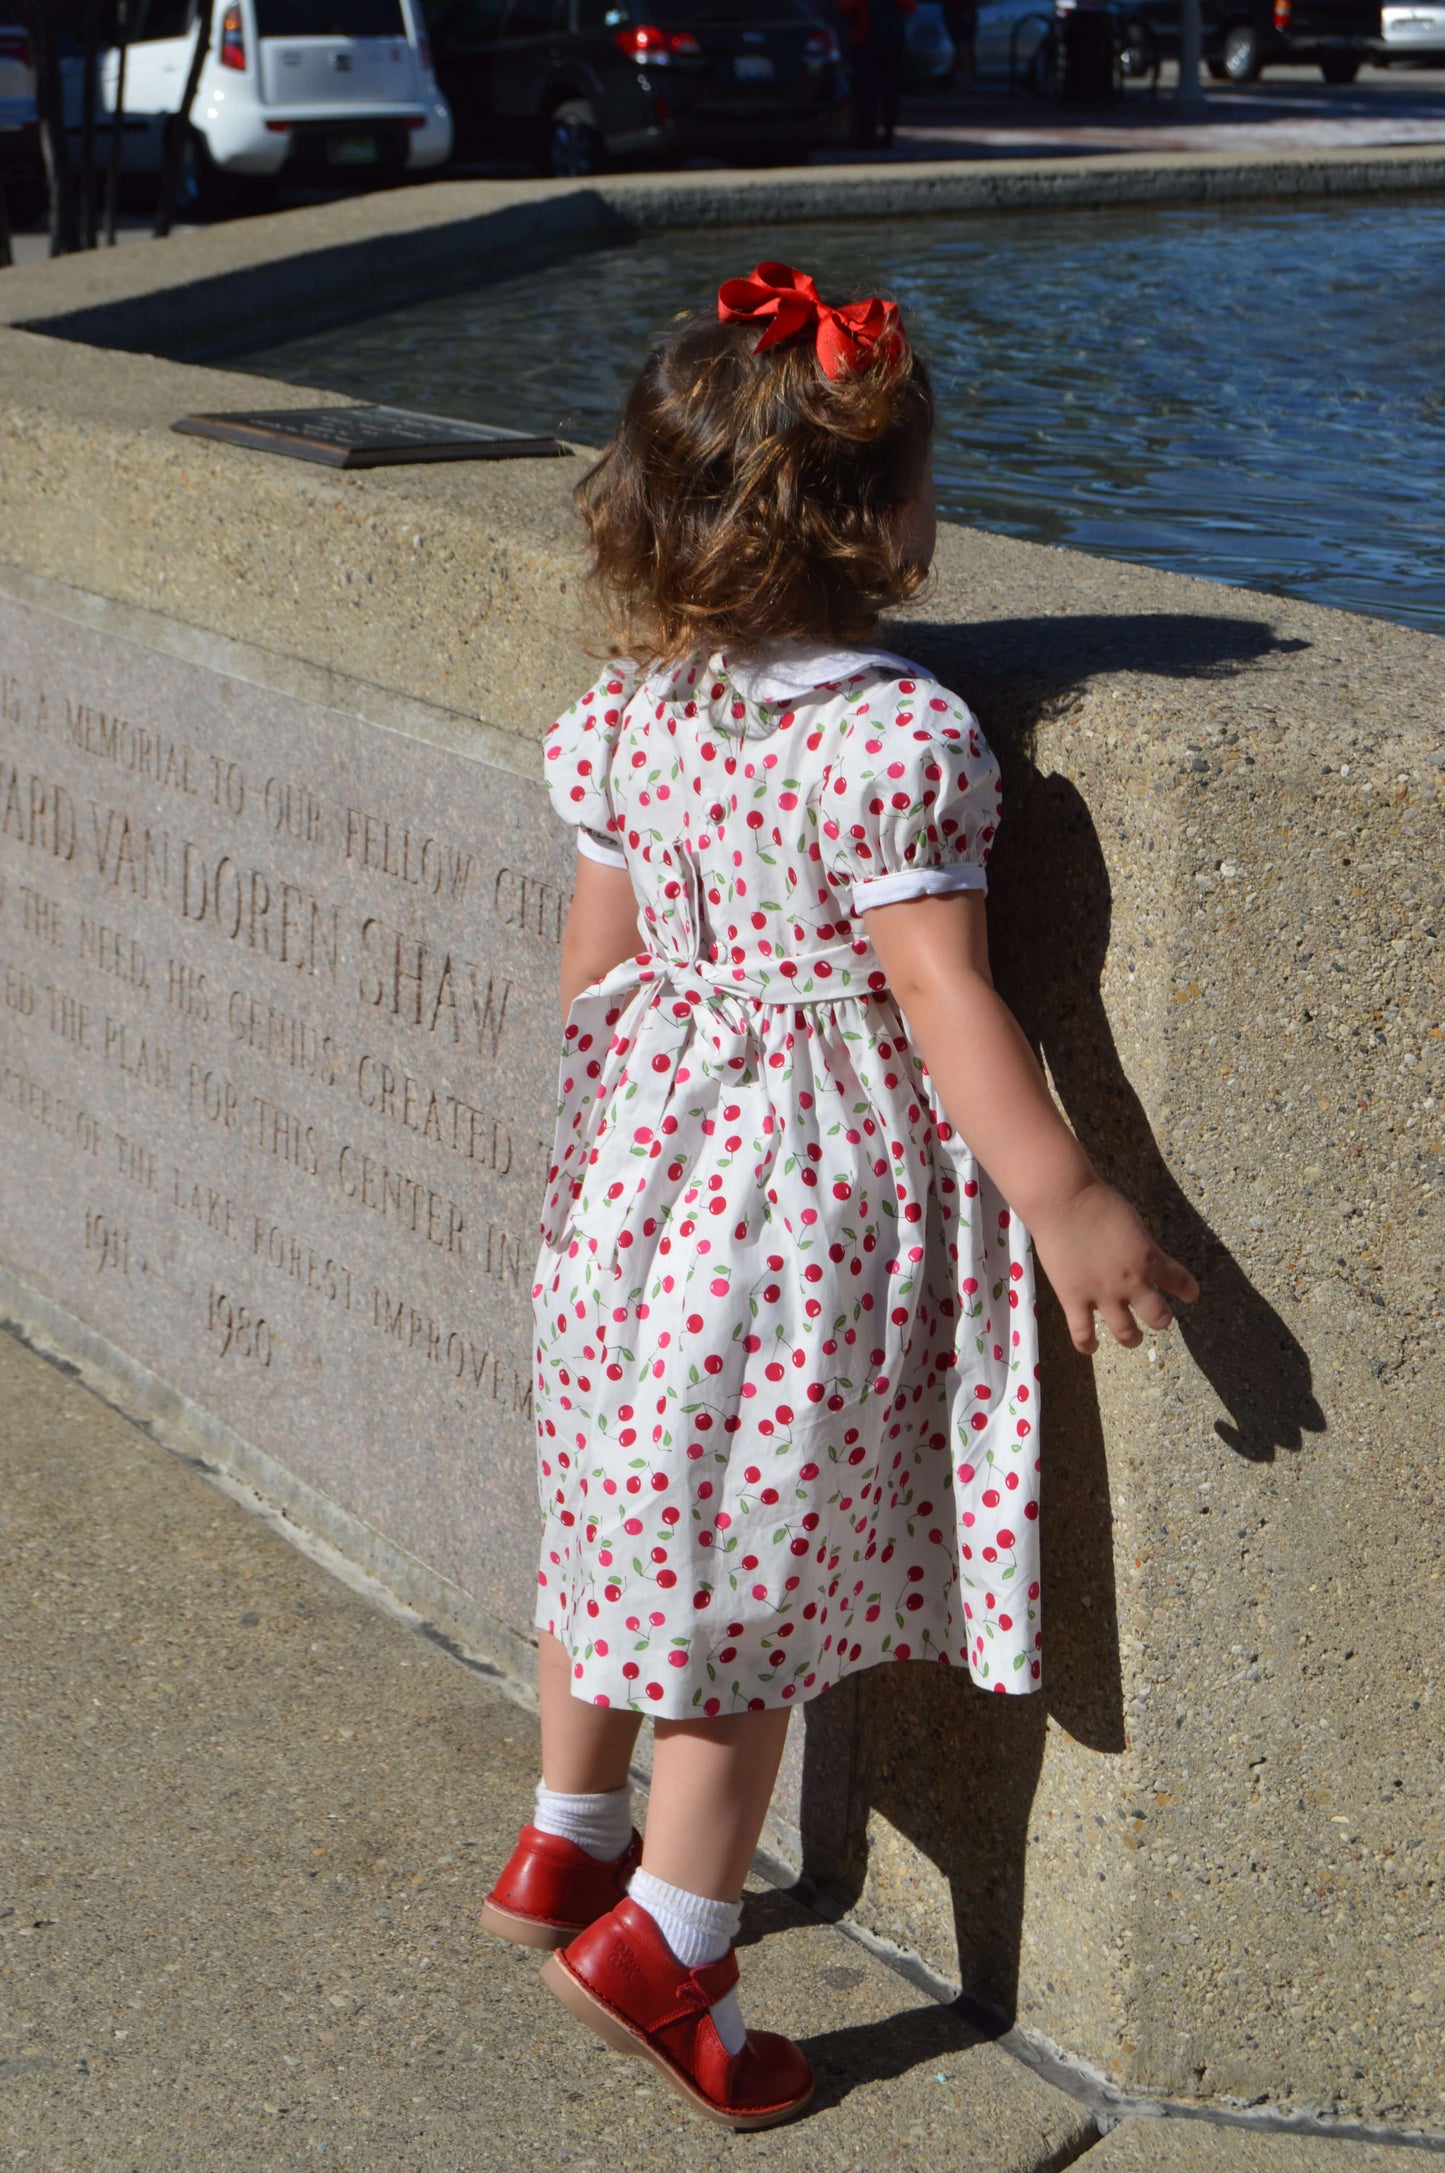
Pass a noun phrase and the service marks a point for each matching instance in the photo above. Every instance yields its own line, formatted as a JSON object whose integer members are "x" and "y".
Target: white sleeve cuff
{"x": 593, "y": 847}
{"x": 917, "y": 883}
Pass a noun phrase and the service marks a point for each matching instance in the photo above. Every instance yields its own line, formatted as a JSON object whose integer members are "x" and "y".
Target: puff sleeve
{"x": 577, "y": 763}
{"x": 910, "y": 801}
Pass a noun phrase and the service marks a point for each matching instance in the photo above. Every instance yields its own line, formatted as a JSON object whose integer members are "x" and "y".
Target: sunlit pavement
{"x": 33, "y": 245}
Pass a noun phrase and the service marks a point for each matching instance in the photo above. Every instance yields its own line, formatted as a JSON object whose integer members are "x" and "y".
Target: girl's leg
{"x": 586, "y": 1749}
{"x": 712, "y": 1782}
{"x": 544, "y": 1895}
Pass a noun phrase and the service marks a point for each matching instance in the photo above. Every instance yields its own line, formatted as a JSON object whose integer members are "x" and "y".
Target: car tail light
{"x": 233, "y": 39}
{"x": 1283, "y": 10}
{"x": 644, "y": 42}
{"x": 14, "y": 45}
{"x": 423, "y": 54}
{"x": 415, "y": 120}
{"x": 822, "y": 45}
{"x": 278, "y": 128}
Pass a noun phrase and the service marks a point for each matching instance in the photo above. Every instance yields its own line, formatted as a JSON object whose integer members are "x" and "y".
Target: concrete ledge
{"x": 457, "y": 731}
{"x": 388, "y": 576}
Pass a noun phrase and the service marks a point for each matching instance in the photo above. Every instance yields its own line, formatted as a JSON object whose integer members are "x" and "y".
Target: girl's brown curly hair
{"x": 746, "y": 499}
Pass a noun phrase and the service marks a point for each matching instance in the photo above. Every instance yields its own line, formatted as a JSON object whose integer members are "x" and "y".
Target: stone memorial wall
{"x": 277, "y": 1071}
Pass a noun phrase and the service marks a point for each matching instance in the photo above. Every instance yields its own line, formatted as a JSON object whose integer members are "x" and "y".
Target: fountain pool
{"x": 1252, "y": 395}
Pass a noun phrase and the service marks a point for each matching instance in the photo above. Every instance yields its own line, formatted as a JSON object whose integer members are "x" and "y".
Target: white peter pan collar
{"x": 786, "y": 673}
{"x": 799, "y": 668}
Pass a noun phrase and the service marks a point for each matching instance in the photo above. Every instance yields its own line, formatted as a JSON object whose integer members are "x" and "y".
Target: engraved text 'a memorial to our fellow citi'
{"x": 279, "y": 1050}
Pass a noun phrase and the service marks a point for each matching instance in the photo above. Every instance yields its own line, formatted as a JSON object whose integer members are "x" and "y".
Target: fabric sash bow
{"x": 787, "y": 303}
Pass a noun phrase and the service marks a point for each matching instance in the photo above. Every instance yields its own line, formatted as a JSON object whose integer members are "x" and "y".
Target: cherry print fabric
{"x": 787, "y": 1372}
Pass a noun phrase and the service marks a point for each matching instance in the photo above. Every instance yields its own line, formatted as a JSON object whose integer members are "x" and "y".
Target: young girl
{"x": 787, "y": 1385}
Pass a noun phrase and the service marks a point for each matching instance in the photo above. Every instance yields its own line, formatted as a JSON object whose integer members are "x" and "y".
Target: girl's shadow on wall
{"x": 952, "y": 1771}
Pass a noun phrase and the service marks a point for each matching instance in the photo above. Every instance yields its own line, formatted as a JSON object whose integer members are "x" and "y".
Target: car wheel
{"x": 257, "y": 193}
{"x": 1042, "y": 74}
{"x": 574, "y": 142}
{"x": 1241, "y": 55}
{"x": 1340, "y": 67}
{"x": 27, "y": 197}
{"x": 1137, "y": 56}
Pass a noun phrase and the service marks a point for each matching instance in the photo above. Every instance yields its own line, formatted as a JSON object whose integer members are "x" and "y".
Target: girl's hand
{"x": 1090, "y": 1243}
{"x": 1099, "y": 1258}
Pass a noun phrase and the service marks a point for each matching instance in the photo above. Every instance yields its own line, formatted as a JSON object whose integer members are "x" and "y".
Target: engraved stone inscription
{"x": 278, "y": 1048}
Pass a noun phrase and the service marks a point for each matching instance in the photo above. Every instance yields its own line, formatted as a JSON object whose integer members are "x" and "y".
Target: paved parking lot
{"x": 1290, "y": 109}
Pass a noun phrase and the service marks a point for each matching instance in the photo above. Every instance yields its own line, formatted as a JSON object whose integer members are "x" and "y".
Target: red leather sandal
{"x": 551, "y": 1889}
{"x": 622, "y": 1979}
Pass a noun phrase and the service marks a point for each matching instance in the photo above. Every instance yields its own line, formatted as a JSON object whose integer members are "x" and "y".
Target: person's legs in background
{"x": 865, "y": 98}
{"x": 961, "y": 21}
{"x": 888, "y": 61}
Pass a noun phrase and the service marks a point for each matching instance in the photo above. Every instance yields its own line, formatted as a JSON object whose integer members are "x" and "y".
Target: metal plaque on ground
{"x": 367, "y": 437}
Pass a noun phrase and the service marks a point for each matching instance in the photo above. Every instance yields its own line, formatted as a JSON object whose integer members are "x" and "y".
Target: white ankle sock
{"x": 698, "y": 1930}
{"x": 600, "y": 1824}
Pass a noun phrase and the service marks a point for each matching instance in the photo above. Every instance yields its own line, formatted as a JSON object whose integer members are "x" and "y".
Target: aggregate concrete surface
{"x": 1212, "y": 1868}
{"x": 1215, "y": 1872}
{"x": 248, "y": 1823}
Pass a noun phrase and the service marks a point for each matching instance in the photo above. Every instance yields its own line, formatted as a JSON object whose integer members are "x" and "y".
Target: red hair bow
{"x": 787, "y": 303}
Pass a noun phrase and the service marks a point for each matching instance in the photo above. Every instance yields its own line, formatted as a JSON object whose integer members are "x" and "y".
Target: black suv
{"x": 573, "y": 84}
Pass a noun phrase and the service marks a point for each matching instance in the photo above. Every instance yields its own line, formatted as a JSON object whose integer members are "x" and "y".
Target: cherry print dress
{"x": 787, "y": 1373}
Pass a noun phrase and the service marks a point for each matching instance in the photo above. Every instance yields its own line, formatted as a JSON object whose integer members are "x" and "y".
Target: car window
{"x": 532, "y": 18}
{"x": 329, "y": 19}
{"x": 472, "y": 22}
{"x": 162, "y": 19}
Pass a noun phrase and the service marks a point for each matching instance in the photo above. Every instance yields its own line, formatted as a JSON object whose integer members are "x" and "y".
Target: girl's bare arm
{"x": 601, "y": 926}
{"x": 1089, "y": 1241}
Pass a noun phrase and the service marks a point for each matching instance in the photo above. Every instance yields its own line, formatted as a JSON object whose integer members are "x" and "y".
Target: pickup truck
{"x": 1241, "y": 37}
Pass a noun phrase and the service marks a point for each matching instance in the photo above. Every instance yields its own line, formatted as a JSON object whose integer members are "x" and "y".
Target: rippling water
{"x": 1255, "y": 396}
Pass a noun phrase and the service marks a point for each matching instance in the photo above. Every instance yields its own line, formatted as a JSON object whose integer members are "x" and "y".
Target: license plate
{"x": 753, "y": 68}
{"x": 351, "y": 150}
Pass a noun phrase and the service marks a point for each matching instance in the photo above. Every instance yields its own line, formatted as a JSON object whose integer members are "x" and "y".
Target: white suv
{"x": 305, "y": 89}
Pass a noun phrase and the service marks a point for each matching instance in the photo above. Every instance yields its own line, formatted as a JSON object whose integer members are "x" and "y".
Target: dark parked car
{"x": 573, "y": 84}
{"x": 20, "y": 168}
{"x": 1243, "y": 36}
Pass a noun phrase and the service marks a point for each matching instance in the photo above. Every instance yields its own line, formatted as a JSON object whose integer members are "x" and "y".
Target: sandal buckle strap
{"x": 699, "y": 1991}
{"x": 713, "y": 1979}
